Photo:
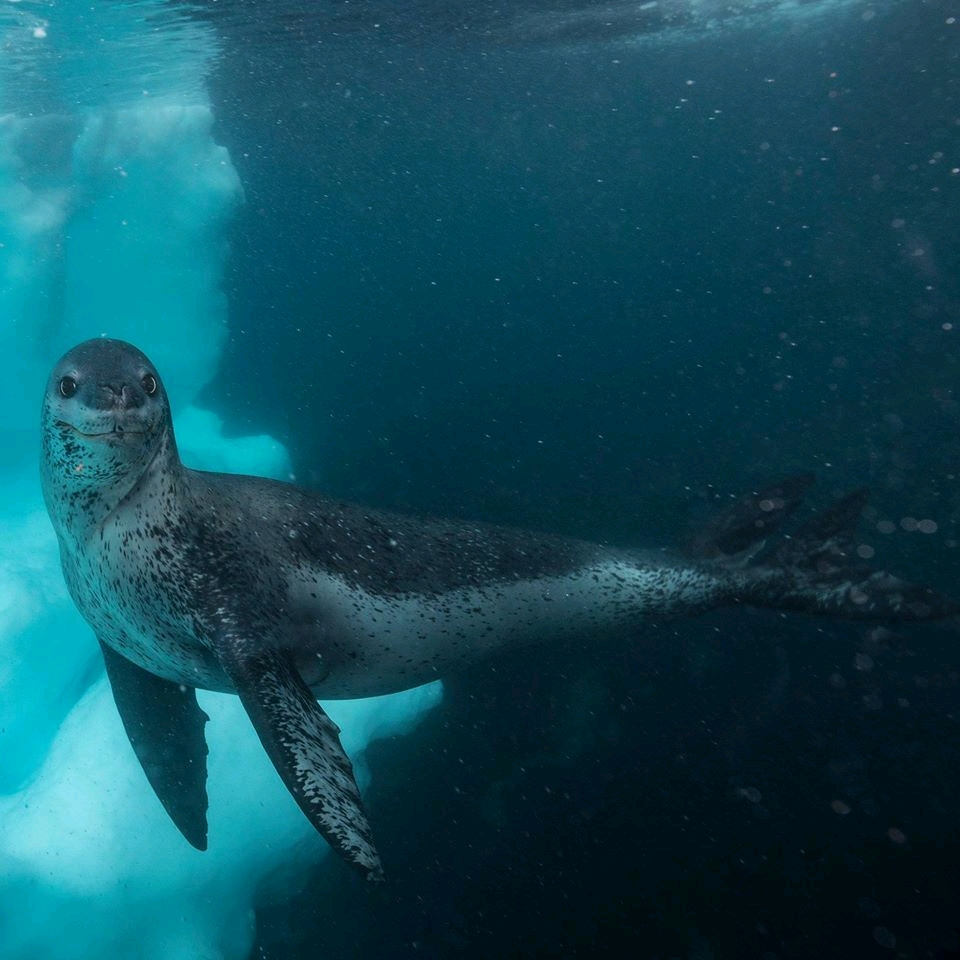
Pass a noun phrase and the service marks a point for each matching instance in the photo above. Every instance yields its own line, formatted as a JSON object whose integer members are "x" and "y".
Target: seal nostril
{"x": 128, "y": 397}
{"x": 108, "y": 396}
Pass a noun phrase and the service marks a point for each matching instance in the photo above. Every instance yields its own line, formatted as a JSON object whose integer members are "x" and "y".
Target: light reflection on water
{"x": 68, "y": 56}
{"x": 64, "y": 57}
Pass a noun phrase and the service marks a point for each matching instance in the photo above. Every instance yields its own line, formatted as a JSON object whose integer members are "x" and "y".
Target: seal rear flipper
{"x": 739, "y": 531}
{"x": 304, "y": 745}
{"x": 165, "y": 727}
{"x": 818, "y": 570}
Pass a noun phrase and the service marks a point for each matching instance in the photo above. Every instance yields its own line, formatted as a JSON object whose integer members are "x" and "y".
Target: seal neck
{"x": 81, "y": 496}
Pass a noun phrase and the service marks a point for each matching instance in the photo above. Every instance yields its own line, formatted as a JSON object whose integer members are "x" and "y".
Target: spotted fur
{"x": 242, "y": 584}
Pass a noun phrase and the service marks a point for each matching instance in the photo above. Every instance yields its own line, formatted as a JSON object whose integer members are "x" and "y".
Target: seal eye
{"x": 149, "y": 383}
{"x": 67, "y": 386}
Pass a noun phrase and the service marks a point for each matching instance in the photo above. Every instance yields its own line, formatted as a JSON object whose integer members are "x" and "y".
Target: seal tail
{"x": 817, "y": 569}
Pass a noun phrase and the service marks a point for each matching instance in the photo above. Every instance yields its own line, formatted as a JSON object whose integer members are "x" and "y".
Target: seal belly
{"x": 143, "y": 628}
{"x": 389, "y": 643}
{"x": 169, "y": 657}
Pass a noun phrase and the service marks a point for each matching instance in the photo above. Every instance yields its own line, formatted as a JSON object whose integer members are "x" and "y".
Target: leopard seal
{"x": 196, "y": 580}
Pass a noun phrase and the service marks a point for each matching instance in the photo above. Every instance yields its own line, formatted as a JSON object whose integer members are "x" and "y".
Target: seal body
{"x": 240, "y": 584}
{"x": 366, "y": 602}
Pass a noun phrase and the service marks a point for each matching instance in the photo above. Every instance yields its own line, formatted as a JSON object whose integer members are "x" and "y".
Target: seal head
{"x": 105, "y": 419}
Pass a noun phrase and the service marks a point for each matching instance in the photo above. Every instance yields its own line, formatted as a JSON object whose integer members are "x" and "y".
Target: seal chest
{"x": 192, "y": 579}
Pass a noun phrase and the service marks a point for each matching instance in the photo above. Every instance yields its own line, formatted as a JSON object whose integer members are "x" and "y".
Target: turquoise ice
{"x": 114, "y": 206}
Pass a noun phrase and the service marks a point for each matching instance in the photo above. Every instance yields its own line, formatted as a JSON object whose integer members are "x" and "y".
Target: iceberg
{"x": 114, "y": 221}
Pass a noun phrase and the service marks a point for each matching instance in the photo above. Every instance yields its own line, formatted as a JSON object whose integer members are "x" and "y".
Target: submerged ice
{"x": 113, "y": 221}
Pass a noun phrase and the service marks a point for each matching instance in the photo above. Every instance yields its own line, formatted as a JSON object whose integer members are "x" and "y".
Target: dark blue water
{"x": 590, "y": 273}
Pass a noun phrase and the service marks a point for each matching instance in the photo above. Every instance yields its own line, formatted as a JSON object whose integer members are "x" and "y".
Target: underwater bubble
{"x": 865, "y": 551}
{"x": 886, "y": 526}
{"x": 869, "y": 907}
{"x": 897, "y": 835}
{"x": 893, "y": 421}
{"x": 750, "y": 793}
{"x": 884, "y": 937}
{"x": 927, "y": 526}
{"x": 838, "y": 806}
{"x": 908, "y": 523}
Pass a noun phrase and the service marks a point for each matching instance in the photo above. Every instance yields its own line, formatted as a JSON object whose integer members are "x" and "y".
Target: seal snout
{"x": 110, "y": 408}
{"x": 119, "y": 396}
{"x": 106, "y": 390}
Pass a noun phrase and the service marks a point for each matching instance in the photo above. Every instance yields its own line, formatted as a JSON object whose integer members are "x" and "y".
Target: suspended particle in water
{"x": 838, "y": 806}
{"x": 858, "y": 596}
{"x": 897, "y": 835}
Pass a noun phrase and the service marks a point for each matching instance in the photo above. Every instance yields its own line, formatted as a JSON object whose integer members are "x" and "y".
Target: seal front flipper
{"x": 165, "y": 728}
{"x": 304, "y": 745}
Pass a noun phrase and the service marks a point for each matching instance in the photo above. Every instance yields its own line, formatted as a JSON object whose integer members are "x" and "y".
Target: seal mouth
{"x": 117, "y": 433}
